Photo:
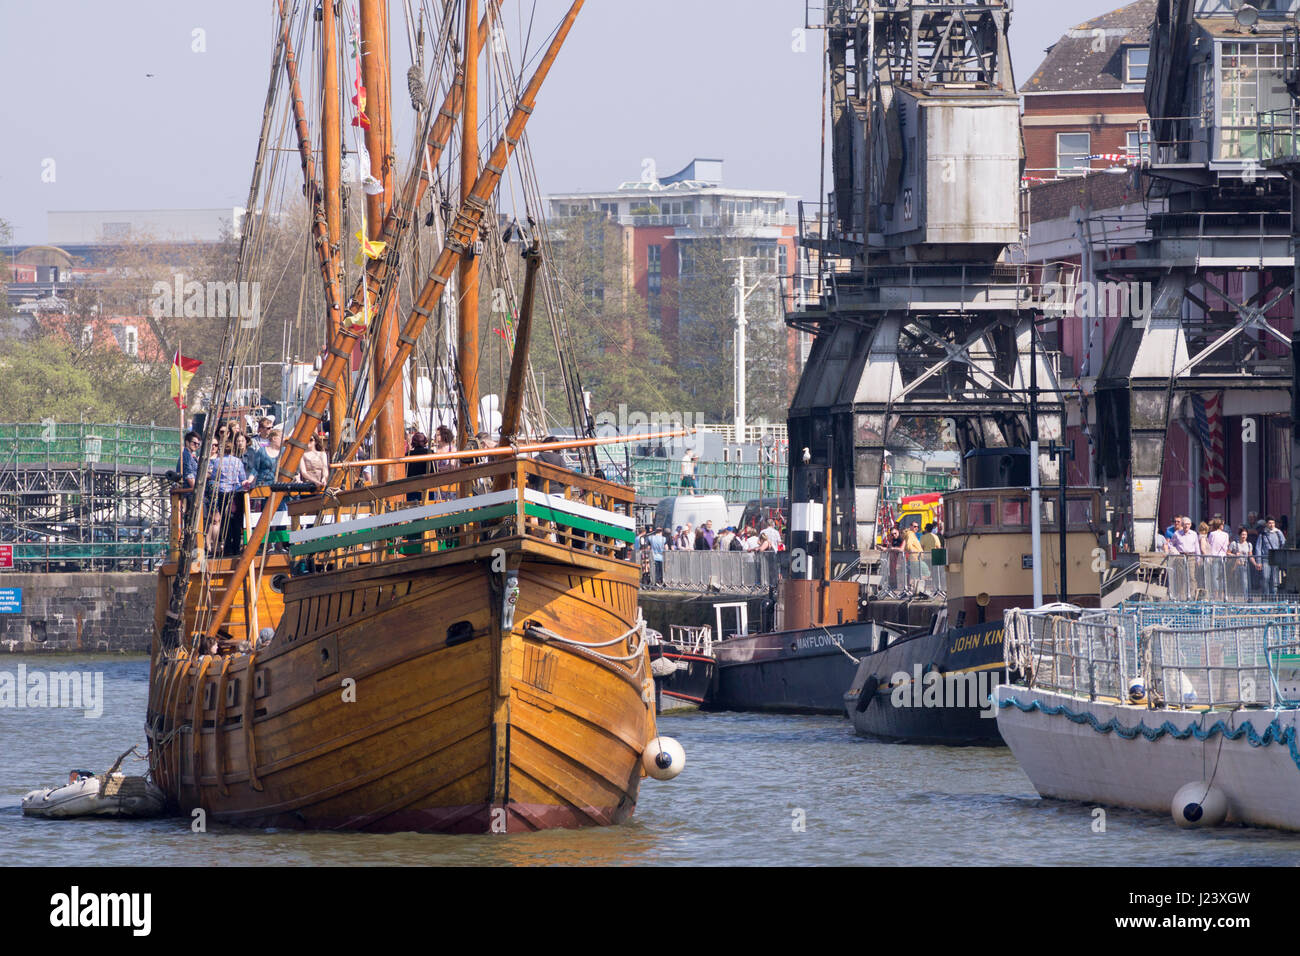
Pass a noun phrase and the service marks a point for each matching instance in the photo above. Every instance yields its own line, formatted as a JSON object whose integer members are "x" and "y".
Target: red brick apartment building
{"x": 663, "y": 217}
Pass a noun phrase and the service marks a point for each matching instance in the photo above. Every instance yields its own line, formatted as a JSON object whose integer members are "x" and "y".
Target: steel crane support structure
{"x": 919, "y": 313}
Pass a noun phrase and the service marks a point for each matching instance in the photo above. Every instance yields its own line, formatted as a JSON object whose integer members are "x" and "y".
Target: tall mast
{"x": 462, "y": 232}
{"x": 331, "y": 160}
{"x": 467, "y": 328}
{"x": 375, "y": 76}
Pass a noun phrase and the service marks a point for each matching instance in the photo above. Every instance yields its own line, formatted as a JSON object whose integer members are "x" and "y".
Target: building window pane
{"x": 1072, "y": 152}
{"x": 1135, "y": 64}
{"x": 1250, "y": 83}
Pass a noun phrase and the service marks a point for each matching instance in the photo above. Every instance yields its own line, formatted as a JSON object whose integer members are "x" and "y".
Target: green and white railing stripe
{"x": 449, "y": 514}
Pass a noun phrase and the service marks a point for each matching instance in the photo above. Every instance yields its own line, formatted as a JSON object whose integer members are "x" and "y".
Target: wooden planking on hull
{"x": 420, "y": 755}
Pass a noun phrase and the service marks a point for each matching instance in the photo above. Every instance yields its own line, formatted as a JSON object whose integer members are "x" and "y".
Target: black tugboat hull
{"x": 686, "y": 688}
{"x": 801, "y": 671}
{"x": 950, "y": 708}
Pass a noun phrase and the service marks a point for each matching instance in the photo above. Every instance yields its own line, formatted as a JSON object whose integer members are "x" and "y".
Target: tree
{"x": 619, "y": 358}
{"x": 707, "y": 301}
{"x": 6, "y": 237}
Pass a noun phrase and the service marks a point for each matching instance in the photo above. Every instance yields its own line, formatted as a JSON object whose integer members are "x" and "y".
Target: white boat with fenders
{"x": 1187, "y": 709}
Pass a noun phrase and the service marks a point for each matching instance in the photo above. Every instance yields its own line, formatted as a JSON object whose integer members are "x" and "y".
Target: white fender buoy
{"x": 1199, "y": 805}
{"x": 1137, "y": 690}
{"x": 663, "y": 758}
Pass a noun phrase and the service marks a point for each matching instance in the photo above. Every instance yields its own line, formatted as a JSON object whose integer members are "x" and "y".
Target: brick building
{"x": 1086, "y": 99}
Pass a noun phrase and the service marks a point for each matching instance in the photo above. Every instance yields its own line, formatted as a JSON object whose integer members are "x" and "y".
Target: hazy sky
{"x": 667, "y": 79}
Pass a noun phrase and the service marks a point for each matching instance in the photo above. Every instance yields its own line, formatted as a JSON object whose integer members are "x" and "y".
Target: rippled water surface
{"x": 749, "y": 782}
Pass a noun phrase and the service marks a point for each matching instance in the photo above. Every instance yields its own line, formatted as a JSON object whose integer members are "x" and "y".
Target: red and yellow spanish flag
{"x": 183, "y": 370}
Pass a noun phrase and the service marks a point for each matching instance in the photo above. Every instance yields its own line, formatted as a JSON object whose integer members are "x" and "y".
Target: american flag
{"x": 1208, "y": 410}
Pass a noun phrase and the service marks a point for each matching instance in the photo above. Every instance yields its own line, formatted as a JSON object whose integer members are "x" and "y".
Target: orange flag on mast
{"x": 183, "y": 370}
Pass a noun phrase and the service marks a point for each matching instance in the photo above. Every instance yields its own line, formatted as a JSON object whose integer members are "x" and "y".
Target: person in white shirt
{"x": 770, "y": 538}
{"x": 1218, "y": 539}
{"x": 1185, "y": 540}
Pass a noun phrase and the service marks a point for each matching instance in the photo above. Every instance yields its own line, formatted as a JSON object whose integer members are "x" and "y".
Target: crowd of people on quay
{"x": 652, "y": 542}
{"x": 1244, "y": 560}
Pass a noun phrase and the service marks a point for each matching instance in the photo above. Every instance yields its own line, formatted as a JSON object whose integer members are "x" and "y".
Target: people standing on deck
{"x": 232, "y": 481}
{"x": 189, "y": 463}
{"x": 751, "y": 538}
{"x": 701, "y": 544}
{"x": 264, "y": 426}
{"x": 707, "y": 533}
{"x": 1241, "y": 555}
{"x": 315, "y": 465}
{"x": 769, "y": 538}
{"x": 266, "y": 458}
{"x": 245, "y": 454}
{"x": 1270, "y": 539}
{"x": 414, "y": 469}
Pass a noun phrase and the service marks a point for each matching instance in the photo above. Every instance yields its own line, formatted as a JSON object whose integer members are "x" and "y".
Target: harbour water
{"x": 757, "y": 790}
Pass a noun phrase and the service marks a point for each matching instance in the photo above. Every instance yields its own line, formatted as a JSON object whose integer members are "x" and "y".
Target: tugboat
{"x": 935, "y": 683}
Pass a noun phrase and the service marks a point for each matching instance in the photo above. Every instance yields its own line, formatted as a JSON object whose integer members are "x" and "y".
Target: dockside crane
{"x": 923, "y": 321}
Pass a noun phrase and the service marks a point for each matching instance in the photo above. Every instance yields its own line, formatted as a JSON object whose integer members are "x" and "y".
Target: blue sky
{"x": 667, "y": 80}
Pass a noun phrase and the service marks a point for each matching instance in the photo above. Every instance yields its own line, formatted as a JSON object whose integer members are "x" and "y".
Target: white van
{"x": 696, "y": 509}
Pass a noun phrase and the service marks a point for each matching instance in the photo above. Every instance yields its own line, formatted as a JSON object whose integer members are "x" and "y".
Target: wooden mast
{"x": 326, "y": 253}
{"x": 514, "y": 404}
{"x": 463, "y": 230}
{"x": 467, "y": 328}
{"x": 331, "y": 161}
{"x": 390, "y": 439}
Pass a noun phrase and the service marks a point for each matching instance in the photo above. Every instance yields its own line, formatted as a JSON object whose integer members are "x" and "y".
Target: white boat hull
{"x": 1073, "y": 761}
{"x": 122, "y": 797}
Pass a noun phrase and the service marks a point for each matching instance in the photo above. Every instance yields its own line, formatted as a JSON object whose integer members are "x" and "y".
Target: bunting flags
{"x": 362, "y": 318}
{"x": 183, "y": 369}
{"x": 359, "y": 101}
{"x": 371, "y": 248}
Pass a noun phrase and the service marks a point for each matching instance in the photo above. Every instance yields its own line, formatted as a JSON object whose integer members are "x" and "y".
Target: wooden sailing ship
{"x": 459, "y": 651}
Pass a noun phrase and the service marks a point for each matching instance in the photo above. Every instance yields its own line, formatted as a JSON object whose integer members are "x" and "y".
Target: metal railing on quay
{"x": 1196, "y": 577}
{"x": 711, "y": 571}
{"x": 902, "y": 574}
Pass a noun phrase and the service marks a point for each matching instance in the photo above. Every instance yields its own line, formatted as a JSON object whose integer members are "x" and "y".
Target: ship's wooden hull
{"x": 392, "y": 699}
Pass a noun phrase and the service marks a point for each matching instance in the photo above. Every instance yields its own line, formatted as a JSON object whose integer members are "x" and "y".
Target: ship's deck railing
{"x": 1190, "y": 655}
{"x": 1282, "y": 647}
{"x": 1207, "y": 667}
{"x": 695, "y": 640}
{"x": 1070, "y": 651}
{"x": 459, "y": 508}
